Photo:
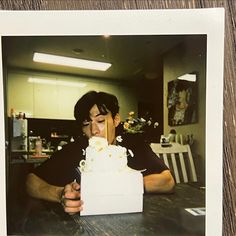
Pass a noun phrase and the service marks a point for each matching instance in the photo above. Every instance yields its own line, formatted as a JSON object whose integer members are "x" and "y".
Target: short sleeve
{"x": 59, "y": 170}
{"x": 141, "y": 156}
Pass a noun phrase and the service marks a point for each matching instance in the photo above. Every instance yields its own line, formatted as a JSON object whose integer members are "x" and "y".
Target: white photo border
{"x": 137, "y": 22}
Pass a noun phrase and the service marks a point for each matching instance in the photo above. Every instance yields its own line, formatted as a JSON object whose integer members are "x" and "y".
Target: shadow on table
{"x": 40, "y": 218}
{"x": 163, "y": 214}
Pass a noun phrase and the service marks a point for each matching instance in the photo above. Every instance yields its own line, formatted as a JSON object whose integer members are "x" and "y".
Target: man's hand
{"x": 70, "y": 198}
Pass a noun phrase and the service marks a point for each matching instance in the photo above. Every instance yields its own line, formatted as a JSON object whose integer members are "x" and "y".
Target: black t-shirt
{"x": 60, "y": 169}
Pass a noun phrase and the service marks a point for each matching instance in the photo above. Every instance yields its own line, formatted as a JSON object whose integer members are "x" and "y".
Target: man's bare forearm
{"x": 38, "y": 188}
{"x": 159, "y": 183}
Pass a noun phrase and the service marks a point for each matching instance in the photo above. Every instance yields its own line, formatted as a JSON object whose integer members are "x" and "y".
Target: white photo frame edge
{"x": 138, "y": 22}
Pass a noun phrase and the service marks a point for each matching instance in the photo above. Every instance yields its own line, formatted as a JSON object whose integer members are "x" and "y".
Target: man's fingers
{"x": 75, "y": 186}
{"x": 72, "y": 206}
{"x": 72, "y": 187}
{"x": 72, "y": 203}
{"x": 73, "y": 210}
{"x": 72, "y": 195}
{"x": 70, "y": 198}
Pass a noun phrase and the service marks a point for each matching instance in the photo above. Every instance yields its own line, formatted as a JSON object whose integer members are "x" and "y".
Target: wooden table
{"x": 163, "y": 214}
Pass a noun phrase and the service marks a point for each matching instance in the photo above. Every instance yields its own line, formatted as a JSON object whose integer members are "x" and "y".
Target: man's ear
{"x": 117, "y": 119}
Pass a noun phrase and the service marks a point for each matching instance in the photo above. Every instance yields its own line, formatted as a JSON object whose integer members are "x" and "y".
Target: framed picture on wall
{"x": 182, "y": 102}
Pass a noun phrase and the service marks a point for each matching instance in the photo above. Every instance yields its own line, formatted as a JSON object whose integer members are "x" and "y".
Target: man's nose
{"x": 94, "y": 128}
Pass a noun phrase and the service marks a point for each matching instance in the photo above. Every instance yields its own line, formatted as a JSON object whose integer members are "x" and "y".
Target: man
{"x": 97, "y": 114}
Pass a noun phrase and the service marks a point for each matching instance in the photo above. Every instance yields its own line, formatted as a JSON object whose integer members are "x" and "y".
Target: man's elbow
{"x": 30, "y": 184}
{"x": 159, "y": 183}
{"x": 170, "y": 185}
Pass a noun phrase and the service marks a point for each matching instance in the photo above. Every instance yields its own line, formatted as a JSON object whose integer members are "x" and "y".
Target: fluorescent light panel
{"x": 71, "y": 62}
{"x": 56, "y": 82}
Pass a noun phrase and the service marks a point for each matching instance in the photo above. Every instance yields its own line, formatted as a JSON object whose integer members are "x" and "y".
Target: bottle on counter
{"x": 12, "y": 113}
{"x": 38, "y": 146}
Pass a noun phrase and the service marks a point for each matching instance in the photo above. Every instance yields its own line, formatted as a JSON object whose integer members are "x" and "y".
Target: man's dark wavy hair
{"x": 105, "y": 102}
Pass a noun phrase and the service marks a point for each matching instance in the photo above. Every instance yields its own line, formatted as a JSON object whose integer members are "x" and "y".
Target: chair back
{"x": 179, "y": 160}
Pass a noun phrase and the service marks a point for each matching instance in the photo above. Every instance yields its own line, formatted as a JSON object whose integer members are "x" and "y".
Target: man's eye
{"x": 101, "y": 121}
{"x": 85, "y": 124}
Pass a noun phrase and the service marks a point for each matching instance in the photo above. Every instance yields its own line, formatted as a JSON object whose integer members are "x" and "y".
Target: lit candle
{"x": 106, "y": 129}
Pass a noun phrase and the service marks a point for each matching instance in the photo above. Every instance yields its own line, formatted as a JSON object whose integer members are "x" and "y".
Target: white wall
{"x": 57, "y": 101}
{"x": 186, "y": 58}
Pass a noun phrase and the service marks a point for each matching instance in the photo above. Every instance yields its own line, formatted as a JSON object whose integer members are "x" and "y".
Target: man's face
{"x": 100, "y": 125}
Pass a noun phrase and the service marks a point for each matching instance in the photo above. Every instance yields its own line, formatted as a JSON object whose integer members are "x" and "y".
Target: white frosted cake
{"x": 108, "y": 185}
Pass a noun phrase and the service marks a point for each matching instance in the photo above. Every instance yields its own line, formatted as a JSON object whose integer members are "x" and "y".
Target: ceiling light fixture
{"x": 56, "y": 82}
{"x": 70, "y": 61}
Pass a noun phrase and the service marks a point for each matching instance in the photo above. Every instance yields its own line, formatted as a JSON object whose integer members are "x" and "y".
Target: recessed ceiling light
{"x": 78, "y": 50}
{"x": 70, "y": 61}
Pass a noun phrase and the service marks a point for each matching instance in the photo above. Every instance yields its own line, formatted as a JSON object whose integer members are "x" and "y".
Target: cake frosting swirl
{"x": 102, "y": 157}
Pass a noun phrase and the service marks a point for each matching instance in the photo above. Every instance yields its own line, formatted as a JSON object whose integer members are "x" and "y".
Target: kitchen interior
{"x": 40, "y": 97}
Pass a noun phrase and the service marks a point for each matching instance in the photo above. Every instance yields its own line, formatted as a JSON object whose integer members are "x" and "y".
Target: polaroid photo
{"x": 166, "y": 65}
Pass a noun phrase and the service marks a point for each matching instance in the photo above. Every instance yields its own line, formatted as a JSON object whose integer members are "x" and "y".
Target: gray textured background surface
{"x": 229, "y": 161}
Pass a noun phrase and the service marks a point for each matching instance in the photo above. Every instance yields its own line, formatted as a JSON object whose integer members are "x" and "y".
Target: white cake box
{"x": 111, "y": 193}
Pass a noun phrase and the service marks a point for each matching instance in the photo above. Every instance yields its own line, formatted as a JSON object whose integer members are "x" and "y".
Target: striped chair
{"x": 179, "y": 160}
